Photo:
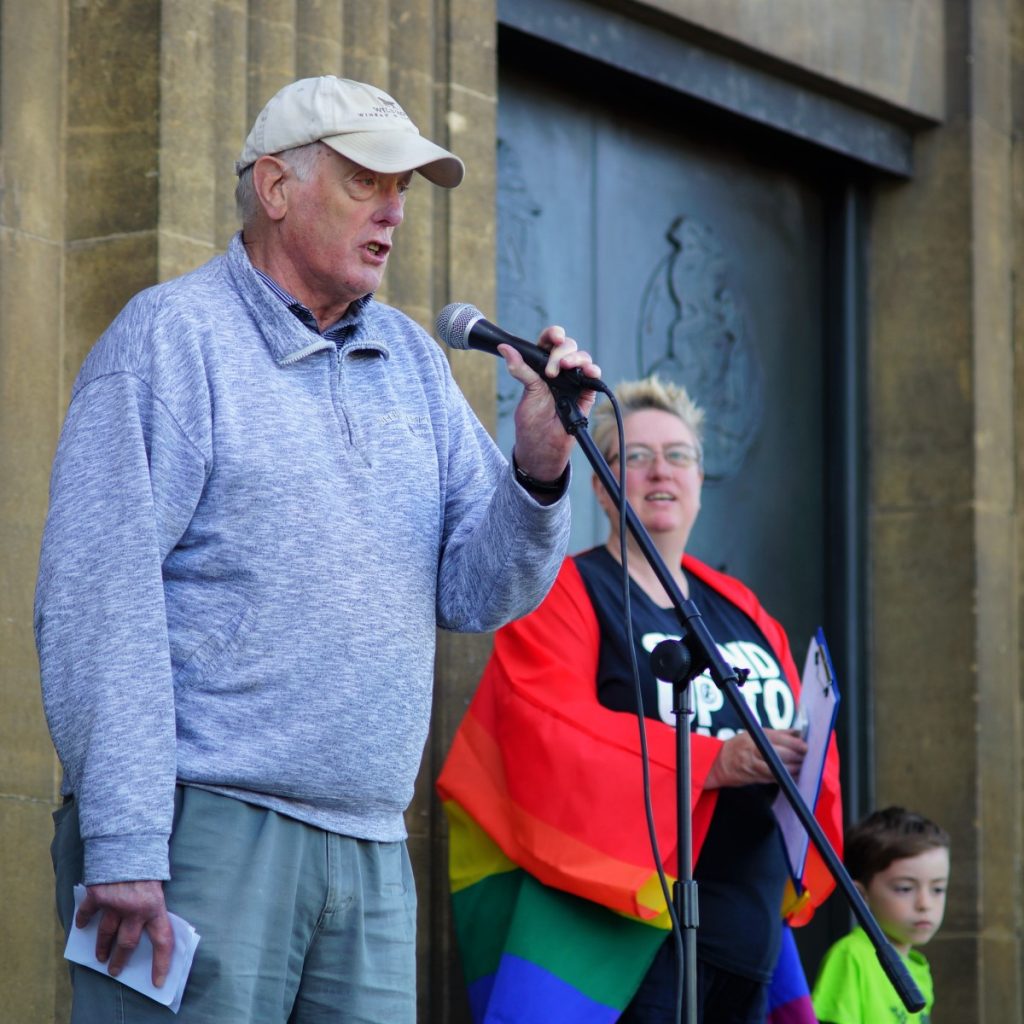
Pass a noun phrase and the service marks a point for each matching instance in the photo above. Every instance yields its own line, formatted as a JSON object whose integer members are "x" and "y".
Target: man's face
{"x": 338, "y": 229}
{"x": 908, "y": 898}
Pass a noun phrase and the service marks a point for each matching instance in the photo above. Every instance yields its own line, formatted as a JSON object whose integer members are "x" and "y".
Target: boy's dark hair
{"x": 883, "y": 836}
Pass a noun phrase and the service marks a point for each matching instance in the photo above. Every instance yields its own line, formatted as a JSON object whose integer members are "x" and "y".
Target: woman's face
{"x": 663, "y": 475}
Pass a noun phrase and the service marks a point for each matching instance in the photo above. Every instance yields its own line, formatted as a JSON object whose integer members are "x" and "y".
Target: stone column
{"x": 945, "y": 522}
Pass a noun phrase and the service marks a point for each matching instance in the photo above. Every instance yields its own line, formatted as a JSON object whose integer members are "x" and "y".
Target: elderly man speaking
{"x": 268, "y": 494}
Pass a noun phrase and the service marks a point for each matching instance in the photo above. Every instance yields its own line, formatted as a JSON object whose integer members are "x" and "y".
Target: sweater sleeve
{"x": 125, "y": 483}
{"x": 555, "y": 778}
{"x": 500, "y": 549}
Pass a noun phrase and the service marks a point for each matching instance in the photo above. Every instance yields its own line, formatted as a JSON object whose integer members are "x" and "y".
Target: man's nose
{"x": 392, "y": 207}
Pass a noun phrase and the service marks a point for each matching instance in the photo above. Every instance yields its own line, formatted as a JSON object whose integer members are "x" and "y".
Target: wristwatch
{"x": 538, "y": 486}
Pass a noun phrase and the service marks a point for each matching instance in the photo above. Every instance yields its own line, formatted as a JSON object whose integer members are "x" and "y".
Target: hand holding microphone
{"x": 460, "y": 325}
{"x": 556, "y": 367}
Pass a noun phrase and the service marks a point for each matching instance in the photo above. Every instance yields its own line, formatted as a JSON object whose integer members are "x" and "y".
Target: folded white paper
{"x": 138, "y": 972}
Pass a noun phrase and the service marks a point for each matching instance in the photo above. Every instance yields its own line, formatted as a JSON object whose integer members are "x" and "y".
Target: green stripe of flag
{"x": 598, "y": 952}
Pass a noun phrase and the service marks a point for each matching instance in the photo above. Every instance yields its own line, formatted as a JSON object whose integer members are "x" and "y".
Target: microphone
{"x": 461, "y": 325}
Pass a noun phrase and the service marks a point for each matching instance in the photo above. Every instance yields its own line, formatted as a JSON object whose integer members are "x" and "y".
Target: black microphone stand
{"x": 697, "y": 650}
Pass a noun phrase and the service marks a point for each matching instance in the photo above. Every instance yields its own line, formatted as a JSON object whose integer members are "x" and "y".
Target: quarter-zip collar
{"x": 288, "y": 328}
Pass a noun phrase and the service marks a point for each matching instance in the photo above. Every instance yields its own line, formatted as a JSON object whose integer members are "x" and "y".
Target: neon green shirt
{"x": 852, "y": 988}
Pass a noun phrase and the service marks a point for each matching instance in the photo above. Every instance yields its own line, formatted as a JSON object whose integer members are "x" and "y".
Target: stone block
{"x": 232, "y": 120}
{"x": 179, "y": 255}
{"x": 472, "y": 213}
{"x": 31, "y": 409}
{"x": 27, "y": 762}
{"x": 892, "y": 53}
{"x": 112, "y": 183}
{"x": 31, "y": 944}
{"x": 319, "y": 35}
{"x": 921, "y": 300}
{"x": 188, "y": 126}
{"x": 411, "y": 57}
{"x": 271, "y": 51}
{"x": 923, "y": 574}
{"x": 924, "y": 683}
{"x": 473, "y": 43}
{"x": 112, "y": 129}
{"x": 113, "y": 61}
{"x": 366, "y": 51}
{"x": 32, "y": 117}
{"x": 996, "y": 986}
{"x": 954, "y": 962}
{"x": 30, "y": 346}
{"x": 100, "y": 277}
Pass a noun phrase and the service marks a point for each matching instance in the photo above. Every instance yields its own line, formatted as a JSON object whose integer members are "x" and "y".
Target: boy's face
{"x": 908, "y": 898}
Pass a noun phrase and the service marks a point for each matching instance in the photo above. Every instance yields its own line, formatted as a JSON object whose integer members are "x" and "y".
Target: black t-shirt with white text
{"x": 741, "y": 870}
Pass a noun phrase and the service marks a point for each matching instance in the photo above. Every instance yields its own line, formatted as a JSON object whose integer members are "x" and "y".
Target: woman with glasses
{"x": 543, "y": 786}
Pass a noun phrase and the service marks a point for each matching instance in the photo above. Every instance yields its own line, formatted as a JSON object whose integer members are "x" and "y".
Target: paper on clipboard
{"x": 819, "y": 701}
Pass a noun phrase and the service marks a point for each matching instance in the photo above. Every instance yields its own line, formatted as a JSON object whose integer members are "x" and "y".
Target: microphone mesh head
{"x": 454, "y": 323}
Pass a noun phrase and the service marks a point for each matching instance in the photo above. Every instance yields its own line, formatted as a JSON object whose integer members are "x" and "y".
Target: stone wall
{"x": 945, "y": 524}
{"x": 119, "y": 124}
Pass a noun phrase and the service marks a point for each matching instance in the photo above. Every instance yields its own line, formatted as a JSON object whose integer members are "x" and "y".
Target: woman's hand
{"x": 739, "y": 762}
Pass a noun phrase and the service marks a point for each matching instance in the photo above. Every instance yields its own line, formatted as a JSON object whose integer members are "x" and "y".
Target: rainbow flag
{"x": 558, "y": 908}
{"x": 789, "y": 995}
{"x": 533, "y": 954}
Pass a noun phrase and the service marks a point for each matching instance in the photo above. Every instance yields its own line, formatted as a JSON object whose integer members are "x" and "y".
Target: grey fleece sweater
{"x": 252, "y": 536}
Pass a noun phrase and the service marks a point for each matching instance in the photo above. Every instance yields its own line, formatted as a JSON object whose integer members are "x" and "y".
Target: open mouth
{"x": 376, "y": 248}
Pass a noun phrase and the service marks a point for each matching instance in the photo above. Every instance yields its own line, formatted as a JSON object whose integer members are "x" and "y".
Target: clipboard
{"x": 816, "y": 716}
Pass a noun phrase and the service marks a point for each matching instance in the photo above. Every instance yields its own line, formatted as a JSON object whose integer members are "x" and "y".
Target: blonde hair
{"x": 647, "y": 393}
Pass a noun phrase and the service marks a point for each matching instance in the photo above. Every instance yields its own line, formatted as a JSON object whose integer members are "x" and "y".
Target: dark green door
{"x": 661, "y": 251}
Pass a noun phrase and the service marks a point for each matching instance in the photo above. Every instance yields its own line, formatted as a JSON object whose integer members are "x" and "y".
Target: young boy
{"x": 899, "y": 862}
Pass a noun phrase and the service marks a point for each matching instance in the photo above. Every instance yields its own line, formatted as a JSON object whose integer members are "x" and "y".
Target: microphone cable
{"x": 676, "y": 929}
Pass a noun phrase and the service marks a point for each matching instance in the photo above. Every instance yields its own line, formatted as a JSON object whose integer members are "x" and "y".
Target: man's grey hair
{"x": 301, "y": 160}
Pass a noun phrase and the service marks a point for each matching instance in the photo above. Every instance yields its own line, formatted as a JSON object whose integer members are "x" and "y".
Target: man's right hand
{"x": 128, "y": 908}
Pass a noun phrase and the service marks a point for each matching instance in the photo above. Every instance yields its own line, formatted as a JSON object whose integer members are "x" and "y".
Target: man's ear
{"x": 862, "y": 890}
{"x": 268, "y": 178}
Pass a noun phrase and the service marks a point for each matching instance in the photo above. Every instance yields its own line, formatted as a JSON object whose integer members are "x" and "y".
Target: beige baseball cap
{"x": 358, "y": 121}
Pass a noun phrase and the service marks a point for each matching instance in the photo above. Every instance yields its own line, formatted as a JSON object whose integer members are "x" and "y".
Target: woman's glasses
{"x": 640, "y": 456}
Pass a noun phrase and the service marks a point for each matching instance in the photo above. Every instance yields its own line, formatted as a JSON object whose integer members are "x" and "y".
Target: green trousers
{"x": 297, "y": 925}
